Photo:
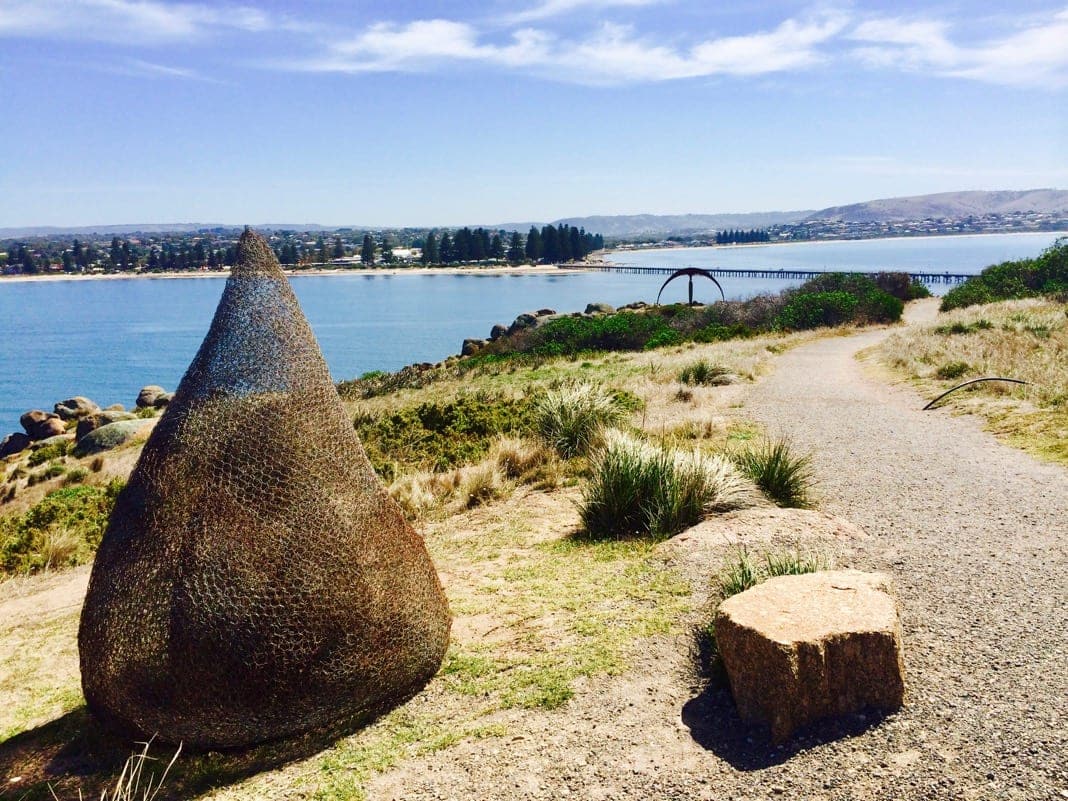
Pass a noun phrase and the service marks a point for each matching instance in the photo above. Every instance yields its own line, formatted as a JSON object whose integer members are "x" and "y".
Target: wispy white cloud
{"x": 149, "y": 69}
{"x": 125, "y": 21}
{"x": 1033, "y": 55}
{"x": 612, "y": 54}
{"x": 555, "y": 8}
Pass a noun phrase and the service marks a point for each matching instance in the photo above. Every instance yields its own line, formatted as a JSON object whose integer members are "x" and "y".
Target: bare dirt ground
{"x": 975, "y": 536}
{"x": 973, "y": 533}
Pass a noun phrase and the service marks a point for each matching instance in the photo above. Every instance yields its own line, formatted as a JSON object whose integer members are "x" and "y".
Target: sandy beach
{"x": 539, "y": 269}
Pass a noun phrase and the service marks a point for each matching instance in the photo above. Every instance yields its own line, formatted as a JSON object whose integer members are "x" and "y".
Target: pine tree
{"x": 430, "y": 249}
{"x": 515, "y": 248}
{"x": 339, "y": 248}
{"x": 446, "y": 249}
{"x": 367, "y": 252}
{"x": 387, "y": 250}
{"x": 116, "y": 253}
{"x": 533, "y": 247}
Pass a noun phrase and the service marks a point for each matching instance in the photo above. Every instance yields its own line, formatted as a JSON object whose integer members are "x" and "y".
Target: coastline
{"x": 540, "y": 269}
{"x": 608, "y": 253}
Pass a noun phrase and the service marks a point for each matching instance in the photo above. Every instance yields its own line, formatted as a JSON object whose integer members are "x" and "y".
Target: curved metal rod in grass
{"x": 691, "y": 272}
{"x": 966, "y": 383}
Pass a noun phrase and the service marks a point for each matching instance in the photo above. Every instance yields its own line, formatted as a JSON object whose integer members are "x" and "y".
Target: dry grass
{"x": 1022, "y": 339}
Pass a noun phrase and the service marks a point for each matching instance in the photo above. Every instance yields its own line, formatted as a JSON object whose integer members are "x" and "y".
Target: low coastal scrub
{"x": 1026, "y": 278}
{"x": 828, "y": 300}
{"x": 785, "y": 477}
{"x": 61, "y": 530}
{"x": 641, "y": 490}
{"x": 440, "y": 435}
{"x": 1022, "y": 339}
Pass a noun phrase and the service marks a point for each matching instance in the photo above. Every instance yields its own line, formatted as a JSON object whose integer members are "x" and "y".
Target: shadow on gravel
{"x": 74, "y": 757}
{"x": 714, "y": 725}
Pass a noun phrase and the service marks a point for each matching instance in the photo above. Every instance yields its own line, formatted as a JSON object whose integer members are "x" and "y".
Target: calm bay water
{"x": 106, "y": 339}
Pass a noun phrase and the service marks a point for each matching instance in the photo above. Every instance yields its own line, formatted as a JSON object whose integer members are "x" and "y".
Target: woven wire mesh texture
{"x": 255, "y": 580}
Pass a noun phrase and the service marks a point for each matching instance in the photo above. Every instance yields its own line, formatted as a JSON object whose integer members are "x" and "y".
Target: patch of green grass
{"x": 952, "y": 370}
{"x": 783, "y": 476}
{"x": 959, "y": 327}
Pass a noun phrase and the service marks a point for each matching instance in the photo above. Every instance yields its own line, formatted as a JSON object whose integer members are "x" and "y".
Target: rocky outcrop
{"x": 800, "y": 648}
{"x": 75, "y": 408}
{"x": 497, "y": 332}
{"x": 544, "y": 312}
{"x": 14, "y": 443}
{"x": 42, "y": 425}
{"x": 522, "y": 322}
{"x": 109, "y": 436}
{"x": 147, "y": 396}
{"x": 95, "y": 421}
{"x": 163, "y": 400}
{"x": 472, "y": 346}
{"x": 599, "y": 308}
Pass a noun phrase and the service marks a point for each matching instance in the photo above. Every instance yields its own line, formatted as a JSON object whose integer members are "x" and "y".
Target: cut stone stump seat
{"x": 801, "y": 648}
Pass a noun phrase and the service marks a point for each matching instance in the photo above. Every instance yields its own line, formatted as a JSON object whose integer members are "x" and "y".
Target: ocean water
{"x": 107, "y": 339}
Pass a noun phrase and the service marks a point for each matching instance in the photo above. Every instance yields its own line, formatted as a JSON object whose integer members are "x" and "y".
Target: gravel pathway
{"x": 975, "y": 536}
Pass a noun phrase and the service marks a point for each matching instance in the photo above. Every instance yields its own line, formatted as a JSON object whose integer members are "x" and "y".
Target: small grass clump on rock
{"x": 573, "y": 418}
{"x": 638, "y": 489}
{"x": 783, "y": 476}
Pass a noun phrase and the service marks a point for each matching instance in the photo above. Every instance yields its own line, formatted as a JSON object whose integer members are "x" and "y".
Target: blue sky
{"x": 445, "y": 113}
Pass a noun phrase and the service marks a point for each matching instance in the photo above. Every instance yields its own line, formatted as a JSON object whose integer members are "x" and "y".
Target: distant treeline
{"x": 550, "y": 244}
{"x": 211, "y": 250}
{"x": 742, "y": 237}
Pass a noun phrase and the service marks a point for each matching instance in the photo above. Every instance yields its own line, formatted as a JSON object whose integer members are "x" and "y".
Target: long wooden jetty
{"x": 752, "y": 272}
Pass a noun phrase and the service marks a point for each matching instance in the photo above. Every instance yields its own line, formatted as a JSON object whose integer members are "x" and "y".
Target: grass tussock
{"x": 1022, "y": 339}
{"x": 704, "y": 373}
{"x": 784, "y": 476}
{"x": 639, "y": 489}
{"x": 572, "y": 419}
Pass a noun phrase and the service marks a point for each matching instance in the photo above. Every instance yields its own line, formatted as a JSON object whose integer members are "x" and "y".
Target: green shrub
{"x": 54, "y": 450}
{"x": 702, "y": 372}
{"x": 879, "y": 307}
{"x": 817, "y": 309}
{"x": 1045, "y": 275}
{"x": 952, "y": 370}
{"x": 620, "y": 331}
{"x": 637, "y": 489}
{"x": 918, "y": 290}
{"x": 61, "y": 530}
{"x": 572, "y": 419}
{"x": 440, "y": 435}
{"x": 783, "y": 476}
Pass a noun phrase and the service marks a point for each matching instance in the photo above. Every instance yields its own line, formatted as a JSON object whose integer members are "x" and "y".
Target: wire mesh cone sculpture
{"x": 256, "y": 581}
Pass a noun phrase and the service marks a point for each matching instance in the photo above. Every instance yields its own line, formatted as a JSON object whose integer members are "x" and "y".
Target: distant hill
{"x": 148, "y": 228}
{"x": 948, "y": 204}
{"x": 631, "y": 225}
